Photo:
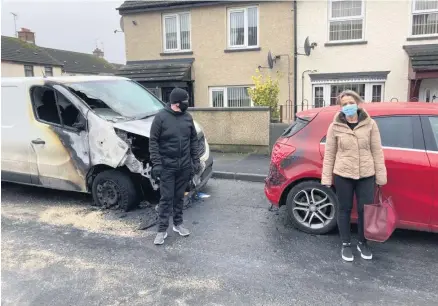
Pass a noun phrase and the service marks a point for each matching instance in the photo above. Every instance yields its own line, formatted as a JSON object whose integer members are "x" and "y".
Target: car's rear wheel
{"x": 114, "y": 189}
{"x": 312, "y": 207}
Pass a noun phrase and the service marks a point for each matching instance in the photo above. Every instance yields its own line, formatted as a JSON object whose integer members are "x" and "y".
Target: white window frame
{"x": 225, "y": 93}
{"x": 420, "y": 12}
{"x": 245, "y": 27}
{"x": 178, "y": 31}
{"x": 332, "y": 19}
{"x": 327, "y": 89}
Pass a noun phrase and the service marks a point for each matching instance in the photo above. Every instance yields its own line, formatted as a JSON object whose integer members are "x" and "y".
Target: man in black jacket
{"x": 173, "y": 146}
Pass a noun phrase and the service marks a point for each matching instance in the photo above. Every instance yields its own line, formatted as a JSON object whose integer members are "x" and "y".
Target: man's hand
{"x": 156, "y": 172}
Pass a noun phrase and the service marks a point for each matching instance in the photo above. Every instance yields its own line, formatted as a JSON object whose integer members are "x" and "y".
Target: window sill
{"x": 172, "y": 53}
{"x": 414, "y": 38}
{"x": 345, "y": 43}
{"x": 242, "y": 50}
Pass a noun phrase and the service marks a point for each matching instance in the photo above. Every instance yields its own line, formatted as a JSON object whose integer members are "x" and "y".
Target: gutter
{"x": 295, "y": 58}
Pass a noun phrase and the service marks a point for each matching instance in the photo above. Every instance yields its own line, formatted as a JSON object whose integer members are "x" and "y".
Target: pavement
{"x": 243, "y": 167}
{"x": 56, "y": 250}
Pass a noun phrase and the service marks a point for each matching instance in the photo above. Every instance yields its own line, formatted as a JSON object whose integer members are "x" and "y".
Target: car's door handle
{"x": 38, "y": 141}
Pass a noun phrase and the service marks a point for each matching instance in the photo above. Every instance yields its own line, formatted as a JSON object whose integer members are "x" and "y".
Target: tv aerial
{"x": 122, "y": 27}
{"x": 308, "y": 47}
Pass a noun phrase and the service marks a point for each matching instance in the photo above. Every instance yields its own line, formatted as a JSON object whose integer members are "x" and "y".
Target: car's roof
{"x": 59, "y": 79}
{"x": 386, "y": 108}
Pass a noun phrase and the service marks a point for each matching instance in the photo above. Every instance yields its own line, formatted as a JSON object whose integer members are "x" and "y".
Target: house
{"x": 210, "y": 48}
{"x": 384, "y": 50}
{"x": 22, "y": 57}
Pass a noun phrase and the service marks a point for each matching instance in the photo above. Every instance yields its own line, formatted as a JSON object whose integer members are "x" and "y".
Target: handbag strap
{"x": 379, "y": 195}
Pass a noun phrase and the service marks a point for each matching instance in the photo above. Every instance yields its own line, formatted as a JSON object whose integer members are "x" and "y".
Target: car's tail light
{"x": 281, "y": 155}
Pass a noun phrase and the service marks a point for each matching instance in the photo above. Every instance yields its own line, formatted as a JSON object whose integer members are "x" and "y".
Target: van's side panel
{"x": 15, "y": 138}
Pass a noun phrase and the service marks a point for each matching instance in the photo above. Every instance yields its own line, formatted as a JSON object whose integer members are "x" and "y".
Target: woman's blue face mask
{"x": 349, "y": 110}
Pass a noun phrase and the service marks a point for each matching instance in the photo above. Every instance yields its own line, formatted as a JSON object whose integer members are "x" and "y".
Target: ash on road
{"x": 56, "y": 250}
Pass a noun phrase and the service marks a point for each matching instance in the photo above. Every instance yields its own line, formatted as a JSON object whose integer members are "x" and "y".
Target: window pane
{"x": 218, "y": 98}
{"x": 28, "y": 71}
{"x": 396, "y": 132}
{"x": 45, "y": 105}
{"x": 237, "y": 30}
{"x": 424, "y": 24}
{"x": 171, "y": 33}
{"x": 238, "y": 97}
{"x": 336, "y": 90}
{"x": 319, "y": 97}
{"x": 185, "y": 31}
{"x": 346, "y": 8}
{"x": 421, "y": 5}
{"x": 346, "y": 30}
{"x": 377, "y": 93}
{"x": 252, "y": 26}
{"x": 434, "y": 124}
{"x": 48, "y": 71}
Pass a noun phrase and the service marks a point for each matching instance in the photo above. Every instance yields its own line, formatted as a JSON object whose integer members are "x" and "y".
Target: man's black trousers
{"x": 173, "y": 184}
{"x": 346, "y": 188}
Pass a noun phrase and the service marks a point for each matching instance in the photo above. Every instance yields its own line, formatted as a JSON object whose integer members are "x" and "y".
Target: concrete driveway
{"x": 58, "y": 251}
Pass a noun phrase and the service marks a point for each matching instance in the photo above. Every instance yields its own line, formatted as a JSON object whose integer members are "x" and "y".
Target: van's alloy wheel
{"x": 312, "y": 207}
{"x": 113, "y": 188}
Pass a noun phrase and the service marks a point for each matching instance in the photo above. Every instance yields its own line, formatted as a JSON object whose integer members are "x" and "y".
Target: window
{"x": 28, "y": 71}
{"x": 425, "y": 17}
{"x": 243, "y": 27}
{"x": 396, "y": 132}
{"x": 326, "y": 94}
{"x": 434, "y": 124}
{"x": 346, "y": 20}
{"x": 53, "y": 108}
{"x": 48, "y": 71}
{"x": 176, "y": 31}
{"x": 156, "y": 91}
{"x": 230, "y": 97}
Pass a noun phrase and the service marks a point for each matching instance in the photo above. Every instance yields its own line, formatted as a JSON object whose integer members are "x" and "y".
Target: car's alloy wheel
{"x": 312, "y": 207}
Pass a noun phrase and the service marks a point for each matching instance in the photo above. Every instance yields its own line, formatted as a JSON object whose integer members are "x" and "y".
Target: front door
{"x": 59, "y": 144}
{"x": 430, "y": 127}
{"x": 429, "y": 91}
{"x": 410, "y": 174}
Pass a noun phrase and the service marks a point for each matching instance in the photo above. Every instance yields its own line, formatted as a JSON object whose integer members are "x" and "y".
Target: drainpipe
{"x": 295, "y": 58}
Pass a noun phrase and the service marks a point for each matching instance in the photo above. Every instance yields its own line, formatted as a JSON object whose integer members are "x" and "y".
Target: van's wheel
{"x": 312, "y": 207}
{"x": 114, "y": 188}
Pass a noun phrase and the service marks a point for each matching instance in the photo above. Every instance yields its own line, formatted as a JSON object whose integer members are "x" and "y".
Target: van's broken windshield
{"x": 115, "y": 98}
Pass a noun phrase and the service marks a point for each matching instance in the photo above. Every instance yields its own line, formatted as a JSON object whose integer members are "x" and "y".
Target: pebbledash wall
{"x": 214, "y": 64}
{"x": 387, "y": 28}
{"x": 250, "y": 134}
{"x": 10, "y": 69}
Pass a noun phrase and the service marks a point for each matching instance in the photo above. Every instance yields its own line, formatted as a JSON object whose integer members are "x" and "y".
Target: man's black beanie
{"x": 178, "y": 95}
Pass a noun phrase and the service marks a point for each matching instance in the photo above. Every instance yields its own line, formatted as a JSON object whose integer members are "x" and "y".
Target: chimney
{"x": 97, "y": 52}
{"x": 26, "y": 35}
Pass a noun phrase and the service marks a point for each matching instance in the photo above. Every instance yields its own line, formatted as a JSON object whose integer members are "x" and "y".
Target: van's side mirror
{"x": 81, "y": 125}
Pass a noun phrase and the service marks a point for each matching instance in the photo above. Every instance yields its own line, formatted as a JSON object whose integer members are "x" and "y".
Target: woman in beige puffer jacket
{"x": 354, "y": 157}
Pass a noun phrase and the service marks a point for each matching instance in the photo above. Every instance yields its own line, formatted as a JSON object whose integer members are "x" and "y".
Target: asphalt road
{"x": 58, "y": 251}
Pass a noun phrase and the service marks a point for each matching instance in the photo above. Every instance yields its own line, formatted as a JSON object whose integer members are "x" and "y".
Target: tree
{"x": 265, "y": 92}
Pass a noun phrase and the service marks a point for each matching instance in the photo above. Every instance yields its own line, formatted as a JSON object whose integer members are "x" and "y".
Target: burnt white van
{"x": 83, "y": 133}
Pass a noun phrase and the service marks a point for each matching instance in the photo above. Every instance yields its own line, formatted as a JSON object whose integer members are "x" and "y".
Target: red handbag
{"x": 380, "y": 219}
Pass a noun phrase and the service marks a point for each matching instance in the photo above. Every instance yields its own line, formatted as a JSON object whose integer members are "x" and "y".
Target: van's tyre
{"x": 312, "y": 208}
{"x": 114, "y": 189}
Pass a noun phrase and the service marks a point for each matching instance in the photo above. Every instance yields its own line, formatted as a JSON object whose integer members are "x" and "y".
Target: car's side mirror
{"x": 80, "y": 125}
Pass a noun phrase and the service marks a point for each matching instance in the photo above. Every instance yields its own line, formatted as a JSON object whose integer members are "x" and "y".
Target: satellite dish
{"x": 271, "y": 60}
{"x": 121, "y": 24}
{"x": 308, "y": 46}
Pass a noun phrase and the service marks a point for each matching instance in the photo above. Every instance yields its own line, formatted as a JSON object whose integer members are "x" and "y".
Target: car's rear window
{"x": 295, "y": 127}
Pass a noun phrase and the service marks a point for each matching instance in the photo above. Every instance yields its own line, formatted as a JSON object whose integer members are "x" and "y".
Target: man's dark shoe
{"x": 365, "y": 252}
{"x": 347, "y": 253}
{"x": 181, "y": 230}
{"x": 159, "y": 239}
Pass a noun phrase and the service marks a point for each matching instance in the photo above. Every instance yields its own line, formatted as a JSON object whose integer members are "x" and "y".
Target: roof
{"x": 423, "y": 57}
{"x": 384, "y": 108}
{"x": 158, "y": 70}
{"x": 16, "y": 50}
{"x": 76, "y": 62}
{"x": 144, "y": 6}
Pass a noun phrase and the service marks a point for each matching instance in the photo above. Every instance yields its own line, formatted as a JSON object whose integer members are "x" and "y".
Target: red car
{"x": 409, "y": 134}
